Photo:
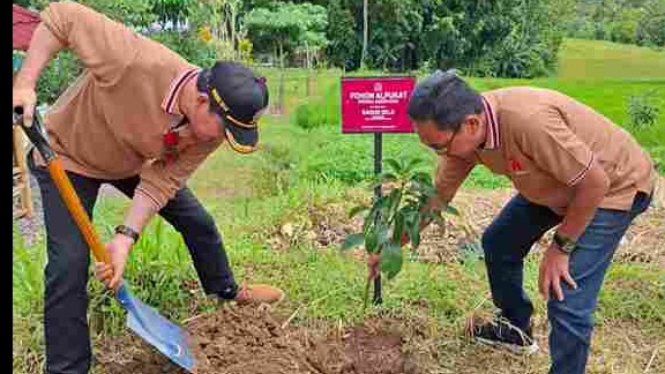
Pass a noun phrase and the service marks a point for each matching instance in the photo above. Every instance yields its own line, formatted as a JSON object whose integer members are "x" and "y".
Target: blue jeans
{"x": 508, "y": 240}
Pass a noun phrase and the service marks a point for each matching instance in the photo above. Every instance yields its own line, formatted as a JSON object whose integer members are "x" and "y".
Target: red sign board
{"x": 376, "y": 104}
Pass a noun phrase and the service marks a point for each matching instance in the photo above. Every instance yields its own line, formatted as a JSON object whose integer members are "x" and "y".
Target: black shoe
{"x": 501, "y": 333}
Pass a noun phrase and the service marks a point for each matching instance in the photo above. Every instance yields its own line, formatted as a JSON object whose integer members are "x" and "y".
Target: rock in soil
{"x": 246, "y": 340}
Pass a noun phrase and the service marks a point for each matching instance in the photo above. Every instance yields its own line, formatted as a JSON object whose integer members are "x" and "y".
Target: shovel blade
{"x": 170, "y": 339}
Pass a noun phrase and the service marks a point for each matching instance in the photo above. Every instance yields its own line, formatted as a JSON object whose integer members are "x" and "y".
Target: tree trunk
{"x": 363, "y": 55}
{"x": 308, "y": 65}
{"x": 280, "y": 99}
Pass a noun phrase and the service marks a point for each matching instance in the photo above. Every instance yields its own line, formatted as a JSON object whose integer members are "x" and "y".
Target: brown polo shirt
{"x": 545, "y": 143}
{"x": 109, "y": 124}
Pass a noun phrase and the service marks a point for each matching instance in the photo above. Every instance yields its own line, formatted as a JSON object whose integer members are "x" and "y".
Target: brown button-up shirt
{"x": 545, "y": 142}
{"x": 110, "y": 122}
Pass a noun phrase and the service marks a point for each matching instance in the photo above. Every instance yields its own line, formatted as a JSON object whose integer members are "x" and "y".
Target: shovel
{"x": 167, "y": 337}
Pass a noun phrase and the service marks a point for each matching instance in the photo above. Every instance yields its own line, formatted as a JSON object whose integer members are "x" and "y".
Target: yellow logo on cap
{"x": 222, "y": 104}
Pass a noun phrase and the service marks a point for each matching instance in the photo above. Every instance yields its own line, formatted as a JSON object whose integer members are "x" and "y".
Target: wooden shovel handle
{"x": 37, "y": 136}
{"x": 77, "y": 211}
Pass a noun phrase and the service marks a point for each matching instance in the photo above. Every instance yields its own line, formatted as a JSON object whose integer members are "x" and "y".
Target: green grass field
{"x": 601, "y": 60}
{"x": 252, "y": 196}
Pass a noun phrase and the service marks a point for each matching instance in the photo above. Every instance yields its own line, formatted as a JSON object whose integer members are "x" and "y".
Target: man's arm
{"x": 558, "y": 151}
{"x": 160, "y": 182}
{"x": 43, "y": 47}
{"x": 105, "y": 47}
{"x": 589, "y": 192}
{"x": 450, "y": 173}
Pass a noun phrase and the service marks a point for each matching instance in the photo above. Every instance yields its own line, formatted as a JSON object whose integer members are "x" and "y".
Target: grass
{"x": 602, "y": 60}
{"x": 27, "y": 331}
{"x": 298, "y": 170}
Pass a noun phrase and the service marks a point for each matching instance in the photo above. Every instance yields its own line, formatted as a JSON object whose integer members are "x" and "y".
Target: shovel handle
{"x": 35, "y": 134}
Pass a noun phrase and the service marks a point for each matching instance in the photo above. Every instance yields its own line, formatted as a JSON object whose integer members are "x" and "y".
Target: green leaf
{"x": 352, "y": 241}
{"x": 357, "y": 209}
{"x": 393, "y": 201}
{"x": 422, "y": 177}
{"x": 384, "y": 178}
{"x": 372, "y": 240}
{"x": 398, "y": 227}
{"x": 391, "y": 259}
{"x": 382, "y": 234}
{"x": 452, "y": 210}
{"x": 436, "y": 217}
{"x": 374, "y": 212}
{"x": 394, "y": 165}
{"x": 412, "y": 164}
{"x": 414, "y": 230}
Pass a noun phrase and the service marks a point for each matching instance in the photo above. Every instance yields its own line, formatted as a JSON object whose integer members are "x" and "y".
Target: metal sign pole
{"x": 378, "y": 140}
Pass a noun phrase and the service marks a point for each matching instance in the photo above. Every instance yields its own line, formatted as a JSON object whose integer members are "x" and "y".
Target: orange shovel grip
{"x": 75, "y": 208}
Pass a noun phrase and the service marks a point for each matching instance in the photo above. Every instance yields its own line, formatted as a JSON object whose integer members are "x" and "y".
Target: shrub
{"x": 275, "y": 175}
{"x": 642, "y": 110}
{"x": 395, "y": 218}
{"x": 319, "y": 111}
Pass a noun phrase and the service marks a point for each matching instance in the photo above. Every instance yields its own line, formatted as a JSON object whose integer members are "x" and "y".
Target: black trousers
{"x": 66, "y": 275}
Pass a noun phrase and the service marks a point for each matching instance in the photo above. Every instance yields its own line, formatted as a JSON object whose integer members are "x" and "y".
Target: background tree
{"x": 651, "y": 26}
{"x": 343, "y": 48}
{"x": 284, "y": 28}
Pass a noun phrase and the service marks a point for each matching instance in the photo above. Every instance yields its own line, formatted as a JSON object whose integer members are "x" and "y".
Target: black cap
{"x": 238, "y": 95}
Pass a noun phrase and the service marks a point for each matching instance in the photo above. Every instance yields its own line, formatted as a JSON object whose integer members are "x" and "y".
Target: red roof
{"x": 24, "y": 22}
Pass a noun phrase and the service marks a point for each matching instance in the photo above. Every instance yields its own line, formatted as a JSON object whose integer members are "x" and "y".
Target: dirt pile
{"x": 246, "y": 340}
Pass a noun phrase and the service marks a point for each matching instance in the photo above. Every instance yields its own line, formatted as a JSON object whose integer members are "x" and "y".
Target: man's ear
{"x": 472, "y": 124}
{"x": 202, "y": 98}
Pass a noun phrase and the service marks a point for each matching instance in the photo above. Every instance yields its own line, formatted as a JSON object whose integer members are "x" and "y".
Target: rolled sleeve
{"x": 105, "y": 47}
{"x": 450, "y": 173}
{"x": 160, "y": 181}
{"x": 553, "y": 146}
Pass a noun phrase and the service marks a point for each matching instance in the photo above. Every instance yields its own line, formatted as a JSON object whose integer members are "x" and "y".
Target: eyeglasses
{"x": 442, "y": 149}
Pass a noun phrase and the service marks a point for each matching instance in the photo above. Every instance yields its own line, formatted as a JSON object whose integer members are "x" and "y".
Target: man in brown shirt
{"x": 572, "y": 168}
{"x": 142, "y": 119}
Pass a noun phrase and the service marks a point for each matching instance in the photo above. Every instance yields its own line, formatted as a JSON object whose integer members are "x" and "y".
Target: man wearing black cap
{"x": 142, "y": 119}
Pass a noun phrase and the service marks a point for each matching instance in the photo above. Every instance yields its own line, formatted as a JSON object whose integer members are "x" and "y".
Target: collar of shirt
{"x": 493, "y": 135}
{"x": 169, "y": 104}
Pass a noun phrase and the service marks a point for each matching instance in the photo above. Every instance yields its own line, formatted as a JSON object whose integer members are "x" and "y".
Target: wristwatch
{"x": 127, "y": 231}
{"x": 565, "y": 244}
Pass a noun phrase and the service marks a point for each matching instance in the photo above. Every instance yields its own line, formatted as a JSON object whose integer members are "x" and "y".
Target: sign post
{"x": 378, "y": 153}
{"x": 376, "y": 105}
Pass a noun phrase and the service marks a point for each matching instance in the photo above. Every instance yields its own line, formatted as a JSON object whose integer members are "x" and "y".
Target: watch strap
{"x": 564, "y": 243}
{"x": 127, "y": 231}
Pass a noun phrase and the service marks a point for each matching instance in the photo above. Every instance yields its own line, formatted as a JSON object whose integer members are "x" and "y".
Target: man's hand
{"x": 373, "y": 262}
{"x": 43, "y": 46}
{"x": 118, "y": 248}
{"x": 26, "y": 98}
{"x": 553, "y": 268}
{"x": 432, "y": 205}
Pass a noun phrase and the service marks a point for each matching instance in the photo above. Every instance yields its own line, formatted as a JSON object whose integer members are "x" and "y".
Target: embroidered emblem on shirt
{"x": 514, "y": 165}
{"x": 170, "y": 140}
